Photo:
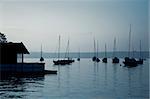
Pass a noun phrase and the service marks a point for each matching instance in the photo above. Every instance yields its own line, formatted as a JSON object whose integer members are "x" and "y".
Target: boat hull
{"x": 115, "y": 60}
{"x": 104, "y": 60}
{"x": 94, "y": 58}
{"x": 63, "y": 62}
{"x": 131, "y": 62}
{"x": 140, "y": 61}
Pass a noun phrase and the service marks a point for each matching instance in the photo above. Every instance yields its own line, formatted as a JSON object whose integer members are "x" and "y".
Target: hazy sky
{"x": 36, "y": 22}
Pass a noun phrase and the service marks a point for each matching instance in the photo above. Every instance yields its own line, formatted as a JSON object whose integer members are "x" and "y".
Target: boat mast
{"x": 114, "y": 47}
{"x": 59, "y": 48}
{"x": 129, "y": 41}
{"x": 94, "y": 48}
{"x": 105, "y": 51}
{"x": 97, "y": 49}
{"x": 41, "y": 59}
{"x": 67, "y": 50}
{"x": 41, "y": 50}
{"x": 133, "y": 51}
{"x": 79, "y": 53}
{"x": 140, "y": 48}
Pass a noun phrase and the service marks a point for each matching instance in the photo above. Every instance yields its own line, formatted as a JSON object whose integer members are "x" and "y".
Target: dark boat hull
{"x": 115, "y": 60}
{"x": 94, "y": 58}
{"x": 78, "y": 59}
{"x": 41, "y": 59}
{"x": 131, "y": 62}
{"x": 97, "y": 60}
{"x": 140, "y": 61}
{"x": 63, "y": 62}
{"x": 104, "y": 60}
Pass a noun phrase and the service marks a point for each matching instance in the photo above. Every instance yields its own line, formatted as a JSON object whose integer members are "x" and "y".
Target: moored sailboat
{"x": 41, "y": 59}
{"x": 78, "y": 59}
{"x": 140, "y": 61}
{"x": 66, "y": 60}
{"x": 94, "y": 57}
{"x": 105, "y": 58}
{"x": 97, "y": 55}
{"x": 115, "y": 59}
{"x": 130, "y": 62}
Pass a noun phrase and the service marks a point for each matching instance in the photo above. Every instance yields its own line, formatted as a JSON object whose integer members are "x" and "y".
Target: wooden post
{"x": 22, "y": 57}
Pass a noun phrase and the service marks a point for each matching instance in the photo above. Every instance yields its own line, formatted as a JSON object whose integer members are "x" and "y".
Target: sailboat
{"x": 97, "y": 59}
{"x": 140, "y": 61}
{"x": 41, "y": 59}
{"x": 58, "y": 62}
{"x": 68, "y": 60}
{"x": 115, "y": 59}
{"x": 105, "y": 58}
{"x": 94, "y": 57}
{"x": 63, "y": 61}
{"x": 130, "y": 62}
{"x": 78, "y": 59}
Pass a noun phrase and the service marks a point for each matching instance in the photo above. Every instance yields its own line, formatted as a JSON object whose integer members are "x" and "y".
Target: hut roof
{"x": 17, "y": 47}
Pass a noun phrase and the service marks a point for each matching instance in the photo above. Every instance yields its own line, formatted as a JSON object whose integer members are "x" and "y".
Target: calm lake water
{"x": 81, "y": 80}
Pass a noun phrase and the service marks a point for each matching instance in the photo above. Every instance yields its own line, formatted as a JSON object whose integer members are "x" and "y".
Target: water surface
{"x": 81, "y": 80}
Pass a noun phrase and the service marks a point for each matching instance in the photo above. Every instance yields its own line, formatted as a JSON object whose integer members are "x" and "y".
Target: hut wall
{"x": 22, "y": 67}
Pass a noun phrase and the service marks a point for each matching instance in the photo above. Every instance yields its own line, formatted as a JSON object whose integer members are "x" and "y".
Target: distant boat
{"x": 41, "y": 59}
{"x": 115, "y": 59}
{"x": 70, "y": 60}
{"x": 94, "y": 57}
{"x": 105, "y": 58}
{"x": 130, "y": 62}
{"x": 63, "y": 61}
{"x": 140, "y": 61}
{"x": 97, "y": 59}
{"x": 78, "y": 59}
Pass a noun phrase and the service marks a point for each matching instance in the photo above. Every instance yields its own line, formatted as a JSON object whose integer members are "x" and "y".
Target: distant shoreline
{"x": 121, "y": 54}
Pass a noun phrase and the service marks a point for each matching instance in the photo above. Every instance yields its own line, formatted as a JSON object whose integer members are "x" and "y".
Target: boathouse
{"x": 9, "y": 64}
{"x": 9, "y": 52}
{"x": 12, "y": 60}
